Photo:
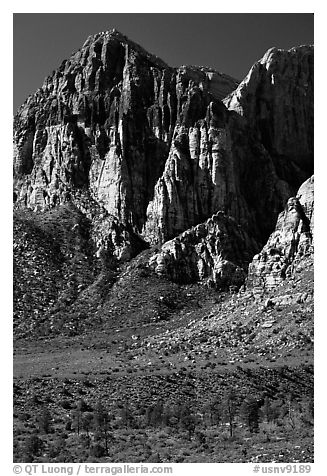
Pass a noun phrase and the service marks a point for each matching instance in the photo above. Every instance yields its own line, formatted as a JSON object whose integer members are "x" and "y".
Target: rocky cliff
{"x": 290, "y": 244}
{"x": 276, "y": 98}
{"x": 216, "y": 252}
{"x": 230, "y": 161}
{"x": 147, "y": 151}
{"x": 103, "y": 122}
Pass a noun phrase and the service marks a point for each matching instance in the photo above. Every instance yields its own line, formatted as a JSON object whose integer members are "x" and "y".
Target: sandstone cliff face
{"x": 246, "y": 164}
{"x": 216, "y": 252}
{"x": 103, "y": 122}
{"x": 289, "y": 244}
{"x": 276, "y": 98}
{"x": 147, "y": 152}
{"x": 216, "y": 165}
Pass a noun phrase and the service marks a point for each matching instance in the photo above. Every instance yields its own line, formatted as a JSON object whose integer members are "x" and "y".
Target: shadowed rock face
{"x": 289, "y": 244}
{"x": 276, "y": 98}
{"x": 159, "y": 152}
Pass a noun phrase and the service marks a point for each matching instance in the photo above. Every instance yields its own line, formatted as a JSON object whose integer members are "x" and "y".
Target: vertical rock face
{"x": 216, "y": 165}
{"x": 276, "y": 98}
{"x": 159, "y": 150}
{"x": 103, "y": 122}
{"x": 291, "y": 241}
{"x": 87, "y": 129}
{"x": 246, "y": 164}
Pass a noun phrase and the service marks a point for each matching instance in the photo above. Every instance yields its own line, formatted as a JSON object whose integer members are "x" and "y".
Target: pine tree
{"x": 102, "y": 423}
{"x": 229, "y": 410}
{"x": 154, "y": 414}
{"x": 266, "y": 411}
{"x": 249, "y": 412}
{"x": 86, "y": 423}
{"x": 77, "y": 420}
{"x": 127, "y": 415}
{"x": 214, "y": 411}
{"x": 307, "y": 411}
{"x": 44, "y": 419}
{"x": 187, "y": 420}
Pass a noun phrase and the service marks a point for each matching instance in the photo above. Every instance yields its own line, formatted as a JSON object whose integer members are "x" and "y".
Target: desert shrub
{"x": 88, "y": 384}
{"x": 66, "y": 404}
{"x": 162, "y": 434}
{"x": 84, "y": 440}
{"x": 16, "y": 450}
{"x": 154, "y": 414}
{"x": 24, "y": 416}
{"x": 154, "y": 458}
{"x": 306, "y": 408}
{"x": 35, "y": 399}
{"x": 200, "y": 437}
{"x": 267, "y": 429}
{"x": 97, "y": 450}
{"x": 68, "y": 425}
{"x": 82, "y": 406}
{"x": 33, "y": 446}
{"x": 179, "y": 459}
{"x": 65, "y": 392}
{"x": 57, "y": 447}
{"x": 273, "y": 410}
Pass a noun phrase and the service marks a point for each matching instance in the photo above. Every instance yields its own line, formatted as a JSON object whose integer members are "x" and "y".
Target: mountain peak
{"x": 113, "y": 35}
{"x": 105, "y": 35}
{"x": 157, "y": 149}
{"x": 143, "y": 202}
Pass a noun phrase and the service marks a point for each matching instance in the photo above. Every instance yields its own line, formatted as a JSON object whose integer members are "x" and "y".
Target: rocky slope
{"x": 163, "y": 260}
{"x": 272, "y": 311}
{"x": 62, "y": 288}
{"x": 151, "y": 156}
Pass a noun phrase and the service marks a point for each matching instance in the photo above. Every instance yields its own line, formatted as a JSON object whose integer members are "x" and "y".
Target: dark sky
{"x": 230, "y": 43}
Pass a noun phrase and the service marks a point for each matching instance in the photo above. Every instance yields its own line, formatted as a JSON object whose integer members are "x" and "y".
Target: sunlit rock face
{"x": 216, "y": 252}
{"x": 104, "y": 122}
{"x": 245, "y": 159}
{"x": 154, "y": 151}
{"x": 289, "y": 244}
